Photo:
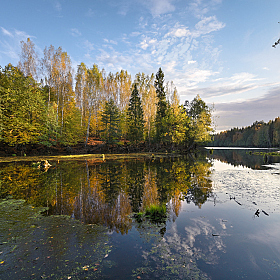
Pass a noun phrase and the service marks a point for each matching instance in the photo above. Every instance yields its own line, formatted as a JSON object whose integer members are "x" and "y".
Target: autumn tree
{"x": 58, "y": 72}
{"x": 200, "y": 129}
{"x": 28, "y": 63}
{"x": 147, "y": 92}
{"x": 80, "y": 89}
{"x": 94, "y": 85}
{"x": 22, "y": 106}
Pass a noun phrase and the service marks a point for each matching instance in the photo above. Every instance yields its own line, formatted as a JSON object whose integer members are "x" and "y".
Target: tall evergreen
{"x": 135, "y": 117}
{"x": 110, "y": 119}
{"x": 162, "y": 105}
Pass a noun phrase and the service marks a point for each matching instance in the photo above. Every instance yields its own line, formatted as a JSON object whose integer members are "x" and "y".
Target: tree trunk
{"x": 89, "y": 117}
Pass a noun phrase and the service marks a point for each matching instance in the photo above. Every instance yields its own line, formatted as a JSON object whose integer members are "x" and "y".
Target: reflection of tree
{"x": 150, "y": 193}
{"x": 107, "y": 193}
{"x": 238, "y": 157}
{"x": 201, "y": 185}
{"x": 135, "y": 183}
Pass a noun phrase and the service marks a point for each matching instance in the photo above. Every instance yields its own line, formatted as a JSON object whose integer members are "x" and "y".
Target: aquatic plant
{"x": 154, "y": 213}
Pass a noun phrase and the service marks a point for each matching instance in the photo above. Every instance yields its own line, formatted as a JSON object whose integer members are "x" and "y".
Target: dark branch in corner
{"x": 277, "y": 42}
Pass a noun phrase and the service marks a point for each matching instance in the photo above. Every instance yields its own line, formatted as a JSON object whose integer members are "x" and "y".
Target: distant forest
{"x": 259, "y": 134}
{"x": 43, "y": 101}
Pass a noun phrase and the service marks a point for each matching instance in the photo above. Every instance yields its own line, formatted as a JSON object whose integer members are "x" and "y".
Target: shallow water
{"x": 223, "y": 218}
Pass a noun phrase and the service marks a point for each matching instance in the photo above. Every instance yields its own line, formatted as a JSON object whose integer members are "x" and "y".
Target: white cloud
{"x": 158, "y": 7}
{"x": 90, "y": 13}
{"x": 6, "y": 32}
{"x": 110, "y": 41}
{"x": 201, "y": 7}
{"x": 10, "y": 45}
{"x": 57, "y": 6}
{"x": 207, "y": 25}
{"x": 191, "y": 62}
{"x": 75, "y": 32}
{"x": 237, "y": 84}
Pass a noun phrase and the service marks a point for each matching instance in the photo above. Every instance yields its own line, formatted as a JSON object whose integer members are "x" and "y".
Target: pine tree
{"x": 110, "y": 121}
{"x": 162, "y": 104}
{"x": 135, "y": 117}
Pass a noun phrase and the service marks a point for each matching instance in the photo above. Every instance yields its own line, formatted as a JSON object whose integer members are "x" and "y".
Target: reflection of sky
{"x": 221, "y": 166}
{"x": 252, "y": 188}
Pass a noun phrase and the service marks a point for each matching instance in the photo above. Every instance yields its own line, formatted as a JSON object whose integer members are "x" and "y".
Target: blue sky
{"x": 219, "y": 49}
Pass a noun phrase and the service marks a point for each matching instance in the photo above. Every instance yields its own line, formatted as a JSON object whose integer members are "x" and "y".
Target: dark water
{"x": 223, "y": 218}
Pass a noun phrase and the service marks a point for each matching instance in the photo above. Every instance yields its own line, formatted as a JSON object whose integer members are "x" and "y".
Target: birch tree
{"x": 28, "y": 63}
{"x": 94, "y": 86}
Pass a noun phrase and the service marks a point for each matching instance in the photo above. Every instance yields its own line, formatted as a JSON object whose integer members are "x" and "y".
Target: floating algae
{"x": 56, "y": 247}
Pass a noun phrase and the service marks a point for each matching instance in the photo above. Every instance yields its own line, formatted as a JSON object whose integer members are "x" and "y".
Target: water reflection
{"x": 244, "y": 157}
{"x": 108, "y": 193}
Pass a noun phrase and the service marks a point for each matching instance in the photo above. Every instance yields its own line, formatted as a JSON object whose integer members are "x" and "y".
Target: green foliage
{"x": 135, "y": 118}
{"x": 110, "y": 122}
{"x": 22, "y": 107}
{"x": 200, "y": 129}
{"x": 176, "y": 123}
{"x": 162, "y": 105}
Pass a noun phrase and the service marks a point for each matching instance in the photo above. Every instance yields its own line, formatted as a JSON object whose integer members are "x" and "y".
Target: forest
{"x": 44, "y": 102}
{"x": 259, "y": 134}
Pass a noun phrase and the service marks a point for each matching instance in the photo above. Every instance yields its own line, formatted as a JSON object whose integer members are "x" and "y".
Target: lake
{"x": 89, "y": 219}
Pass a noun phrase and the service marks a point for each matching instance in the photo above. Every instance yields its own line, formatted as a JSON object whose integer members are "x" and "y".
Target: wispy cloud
{"x": 10, "y": 45}
{"x": 159, "y": 7}
{"x": 200, "y": 8}
{"x": 6, "y": 32}
{"x": 236, "y": 84}
{"x": 57, "y": 6}
{"x": 75, "y": 32}
{"x": 90, "y": 13}
{"x": 110, "y": 41}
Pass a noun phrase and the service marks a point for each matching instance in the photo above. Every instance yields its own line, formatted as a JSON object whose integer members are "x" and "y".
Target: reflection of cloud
{"x": 180, "y": 250}
{"x": 267, "y": 235}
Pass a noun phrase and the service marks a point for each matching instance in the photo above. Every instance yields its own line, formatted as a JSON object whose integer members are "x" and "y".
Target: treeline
{"x": 43, "y": 101}
{"x": 259, "y": 134}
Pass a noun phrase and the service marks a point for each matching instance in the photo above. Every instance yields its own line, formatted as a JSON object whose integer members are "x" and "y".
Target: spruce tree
{"x": 162, "y": 105}
{"x": 110, "y": 119}
{"x": 135, "y": 117}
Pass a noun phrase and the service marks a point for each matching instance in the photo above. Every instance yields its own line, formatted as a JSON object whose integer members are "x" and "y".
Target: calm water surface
{"x": 223, "y": 218}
